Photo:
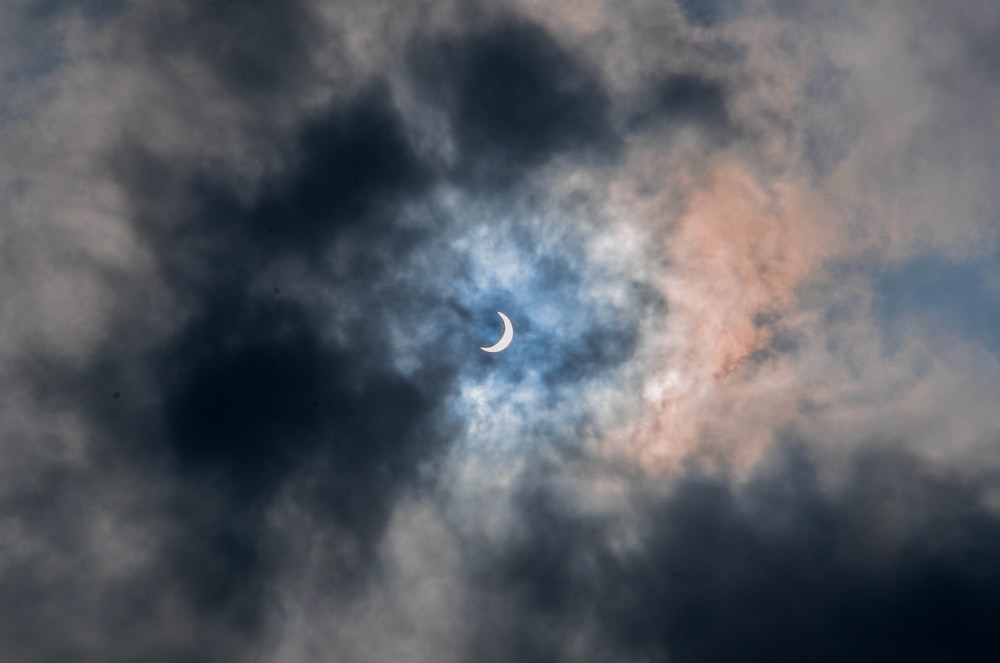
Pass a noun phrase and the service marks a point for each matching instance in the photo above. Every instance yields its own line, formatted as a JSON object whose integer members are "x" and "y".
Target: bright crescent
{"x": 508, "y": 336}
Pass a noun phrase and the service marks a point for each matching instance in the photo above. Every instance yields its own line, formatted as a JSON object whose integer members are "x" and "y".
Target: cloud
{"x": 515, "y": 97}
{"x": 250, "y": 253}
{"x": 895, "y": 560}
{"x": 233, "y": 393}
{"x": 688, "y": 99}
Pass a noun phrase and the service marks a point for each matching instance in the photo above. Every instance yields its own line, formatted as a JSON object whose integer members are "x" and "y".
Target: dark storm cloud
{"x": 898, "y": 562}
{"x": 346, "y": 168}
{"x": 253, "y": 391}
{"x": 248, "y": 398}
{"x": 352, "y": 164}
{"x": 515, "y": 98}
{"x": 689, "y": 100}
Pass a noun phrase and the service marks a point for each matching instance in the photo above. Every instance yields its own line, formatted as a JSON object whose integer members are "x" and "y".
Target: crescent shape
{"x": 508, "y": 336}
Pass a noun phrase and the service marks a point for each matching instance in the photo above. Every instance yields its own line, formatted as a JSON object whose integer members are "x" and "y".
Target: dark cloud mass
{"x": 894, "y": 563}
{"x": 250, "y": 249}
{"x": 254, "y": 396}
{"x": 515, "y": 97}
{"x": 688, "y": 100}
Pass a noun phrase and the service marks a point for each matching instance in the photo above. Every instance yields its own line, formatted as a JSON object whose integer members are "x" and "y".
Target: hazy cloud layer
{"x": 249, "y": 253}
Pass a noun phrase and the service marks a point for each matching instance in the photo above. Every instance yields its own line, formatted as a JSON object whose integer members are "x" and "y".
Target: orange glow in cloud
{"x": 738, "y": 255}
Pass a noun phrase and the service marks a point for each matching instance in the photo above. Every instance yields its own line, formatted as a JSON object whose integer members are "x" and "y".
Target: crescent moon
{"x": 508, "y": 336}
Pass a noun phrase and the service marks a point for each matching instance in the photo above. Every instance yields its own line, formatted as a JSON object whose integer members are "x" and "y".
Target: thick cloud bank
{"x": 249, "y": 251}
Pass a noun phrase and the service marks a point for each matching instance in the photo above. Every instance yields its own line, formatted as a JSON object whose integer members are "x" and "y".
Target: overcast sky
{"x": 249, "y": 252}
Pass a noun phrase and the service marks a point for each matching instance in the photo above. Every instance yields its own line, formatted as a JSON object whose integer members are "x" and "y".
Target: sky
{"x": 249, "y": 252}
